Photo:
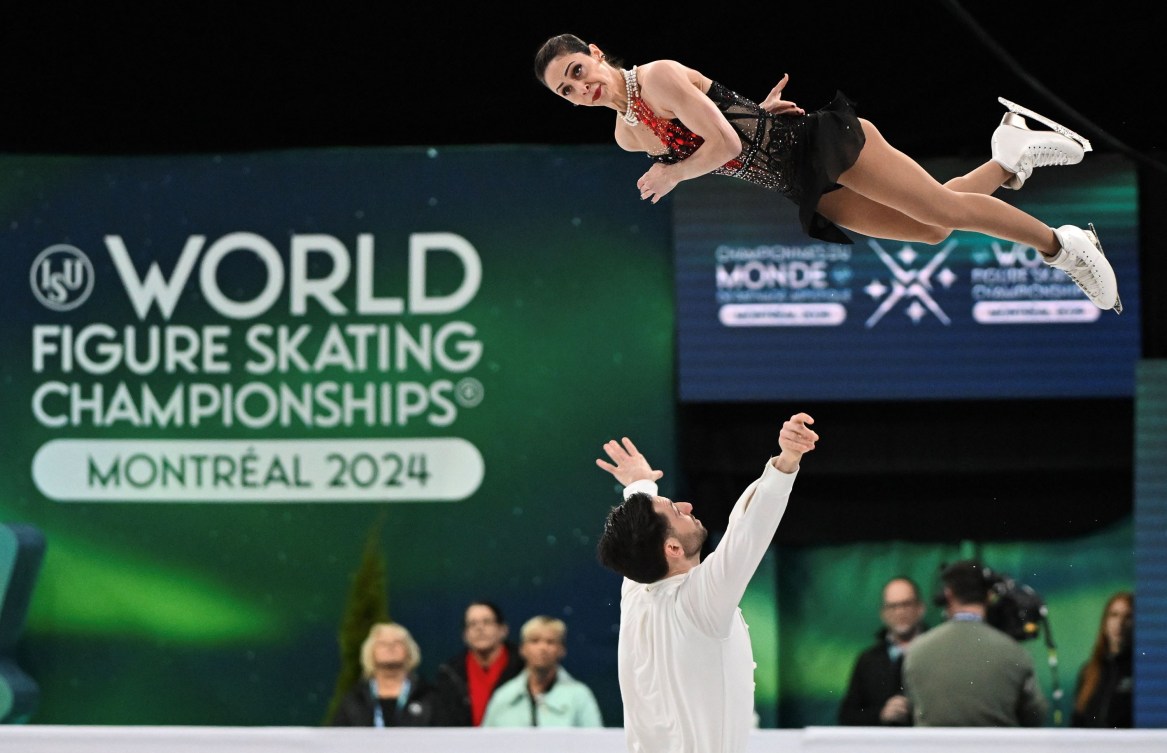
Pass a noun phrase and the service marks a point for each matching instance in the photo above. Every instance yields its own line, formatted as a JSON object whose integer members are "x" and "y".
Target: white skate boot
{"x": 1019, "y": 149}
{"x": 1081, "y": 258}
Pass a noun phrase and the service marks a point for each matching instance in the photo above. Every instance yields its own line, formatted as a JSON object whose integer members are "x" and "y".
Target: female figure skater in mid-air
{"x": 835, "y": 166}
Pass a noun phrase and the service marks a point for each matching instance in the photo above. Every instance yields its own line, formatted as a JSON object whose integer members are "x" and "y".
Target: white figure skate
{"x": 1019, "y": 149}
{"x": 1082, "y": 259}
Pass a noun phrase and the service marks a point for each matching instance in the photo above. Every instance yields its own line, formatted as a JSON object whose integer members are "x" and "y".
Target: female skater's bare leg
{"x": 888, "y": 177}
{"x": 985, "y": 179}
{"x": 1018, "y": 149}
{"x": 856, "y": 212}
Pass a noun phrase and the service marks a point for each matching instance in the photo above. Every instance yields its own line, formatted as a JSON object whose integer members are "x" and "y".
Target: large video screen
{"x": 766, "y": 313}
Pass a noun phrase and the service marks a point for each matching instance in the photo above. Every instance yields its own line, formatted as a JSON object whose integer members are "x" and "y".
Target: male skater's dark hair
{"x": 633, "y": 540}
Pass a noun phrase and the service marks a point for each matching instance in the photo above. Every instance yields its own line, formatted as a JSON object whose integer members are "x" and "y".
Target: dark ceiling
{"x": 209, "y": 77}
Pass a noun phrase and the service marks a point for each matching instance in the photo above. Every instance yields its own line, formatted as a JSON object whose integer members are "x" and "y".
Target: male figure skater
{"x": 686, "y": 667}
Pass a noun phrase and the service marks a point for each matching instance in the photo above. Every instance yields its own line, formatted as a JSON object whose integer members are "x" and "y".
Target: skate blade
{"x": 1093, "y": 235}
{"x": 1053, "y": 125}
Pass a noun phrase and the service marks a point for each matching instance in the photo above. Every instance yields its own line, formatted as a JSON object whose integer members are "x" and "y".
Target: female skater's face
{"x": 579, "y": 78}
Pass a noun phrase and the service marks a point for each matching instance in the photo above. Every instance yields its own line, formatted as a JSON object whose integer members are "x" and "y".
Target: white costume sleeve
{"x": 711, "y": 594}
{"x": 643, "y": 485}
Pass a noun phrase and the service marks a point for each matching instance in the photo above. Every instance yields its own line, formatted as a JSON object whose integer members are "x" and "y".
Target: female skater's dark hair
{"x": 563, "y": 44}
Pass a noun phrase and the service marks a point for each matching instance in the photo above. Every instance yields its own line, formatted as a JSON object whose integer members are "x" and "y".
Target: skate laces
{"x": 1084, "y": 278}
{"x": 1081, "y": 270}
{"x": 1045, "y": 155}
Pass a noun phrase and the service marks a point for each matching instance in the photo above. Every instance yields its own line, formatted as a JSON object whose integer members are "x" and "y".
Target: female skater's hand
{"x": 775, "y": 105}
{"x": 658, "y": 181}
{"x": 630, "y": 465}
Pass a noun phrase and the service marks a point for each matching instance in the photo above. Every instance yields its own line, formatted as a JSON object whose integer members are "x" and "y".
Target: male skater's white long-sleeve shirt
{"x": 685, "y": 663}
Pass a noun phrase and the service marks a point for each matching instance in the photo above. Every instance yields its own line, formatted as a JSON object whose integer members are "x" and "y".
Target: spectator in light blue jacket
{"x": 543, "y": 694}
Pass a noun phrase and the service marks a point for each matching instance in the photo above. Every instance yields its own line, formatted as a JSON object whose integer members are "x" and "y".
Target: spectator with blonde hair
{"x": 390, "y": 693}
{"x": 543, "y": 694}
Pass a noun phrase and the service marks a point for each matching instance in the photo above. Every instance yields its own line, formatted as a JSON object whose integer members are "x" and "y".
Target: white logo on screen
{"x": 913, "y": 287}
{"x": 1022, "y": 289}
{"x": 61, "y": 277}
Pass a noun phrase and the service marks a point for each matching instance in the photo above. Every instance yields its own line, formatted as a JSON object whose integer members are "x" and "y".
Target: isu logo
{"x": 61, "y": 277}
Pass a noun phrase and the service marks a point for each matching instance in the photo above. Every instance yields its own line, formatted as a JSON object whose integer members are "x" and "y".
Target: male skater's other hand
{"x": 627, "y": 464}
{"x": 795, "y": 439}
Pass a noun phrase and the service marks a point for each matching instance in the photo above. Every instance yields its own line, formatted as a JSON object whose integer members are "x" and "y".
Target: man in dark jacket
{"x": 875, "y": 694}
{"x": 466, "y": 681}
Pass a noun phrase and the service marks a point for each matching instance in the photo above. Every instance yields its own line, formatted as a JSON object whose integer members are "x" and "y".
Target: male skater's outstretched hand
{"x": 795, "y": 439}
{"x": 627, "y": 464}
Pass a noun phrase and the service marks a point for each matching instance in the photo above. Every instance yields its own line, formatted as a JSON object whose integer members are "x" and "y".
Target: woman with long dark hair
{"x": 1105, "y": 682}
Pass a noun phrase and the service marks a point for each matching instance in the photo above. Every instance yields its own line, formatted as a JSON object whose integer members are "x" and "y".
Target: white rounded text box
{"x": 268, "y": 470}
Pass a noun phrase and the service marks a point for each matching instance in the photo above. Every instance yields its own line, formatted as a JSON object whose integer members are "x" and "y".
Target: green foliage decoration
{"x": 368, "y": 604}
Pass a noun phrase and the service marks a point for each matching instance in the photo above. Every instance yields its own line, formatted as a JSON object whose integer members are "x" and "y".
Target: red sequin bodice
{"x": 768, "y": 141}
{"x": 679, "y": 140}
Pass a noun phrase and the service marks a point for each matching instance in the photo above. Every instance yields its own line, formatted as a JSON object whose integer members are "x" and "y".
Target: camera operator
{"x": 965, "y": 672}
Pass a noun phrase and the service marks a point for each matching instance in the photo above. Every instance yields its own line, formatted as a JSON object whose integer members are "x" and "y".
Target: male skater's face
{"x": 682, "y": 524}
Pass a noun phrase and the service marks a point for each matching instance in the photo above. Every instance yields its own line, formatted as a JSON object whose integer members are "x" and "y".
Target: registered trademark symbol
{"x": 469, "y": 392}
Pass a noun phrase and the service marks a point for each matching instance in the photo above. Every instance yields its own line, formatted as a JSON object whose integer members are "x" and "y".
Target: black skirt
{"x": 832, "y": 141}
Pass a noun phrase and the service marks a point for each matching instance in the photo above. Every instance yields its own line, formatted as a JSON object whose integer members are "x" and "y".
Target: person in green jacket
{"x": 543, "y": 694}
{"x": 965, "y": 672}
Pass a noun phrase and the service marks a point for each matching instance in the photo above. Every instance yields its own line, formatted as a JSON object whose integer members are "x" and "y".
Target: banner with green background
{"x": 223, "y": 371}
